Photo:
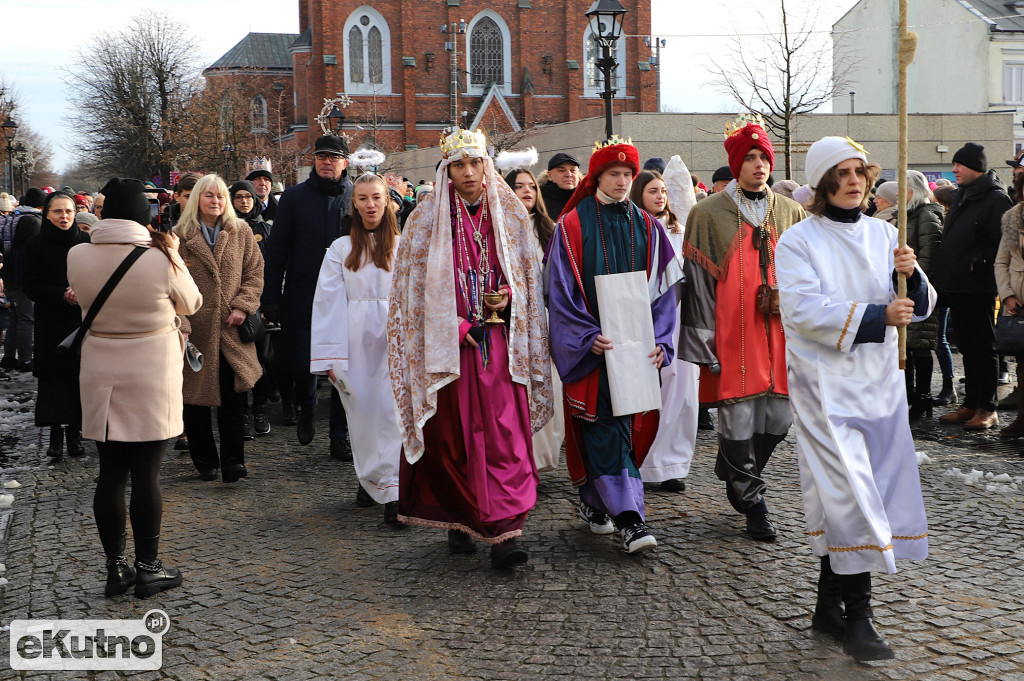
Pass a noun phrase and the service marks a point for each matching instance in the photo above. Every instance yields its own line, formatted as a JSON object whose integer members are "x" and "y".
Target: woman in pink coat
{"x": 131, "y": 378}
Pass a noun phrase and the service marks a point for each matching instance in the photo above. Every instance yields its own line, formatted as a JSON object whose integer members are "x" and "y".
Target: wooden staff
{"x": 907, "y": 47}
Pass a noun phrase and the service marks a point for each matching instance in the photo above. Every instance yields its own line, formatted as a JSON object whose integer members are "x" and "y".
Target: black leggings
{"x": 142, "y": 461}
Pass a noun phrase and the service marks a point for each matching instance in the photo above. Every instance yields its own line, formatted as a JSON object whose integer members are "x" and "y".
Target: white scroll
{"x": 625, "y": 310}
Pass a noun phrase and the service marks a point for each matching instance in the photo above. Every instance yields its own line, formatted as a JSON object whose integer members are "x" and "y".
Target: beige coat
{"x": 132, "y": 355}
{"x": 1009, "y": 263}
{"x": 230, "y": 277}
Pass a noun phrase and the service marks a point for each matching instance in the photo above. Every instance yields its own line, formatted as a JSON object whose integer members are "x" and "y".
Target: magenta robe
{"x": 477, "y": 474}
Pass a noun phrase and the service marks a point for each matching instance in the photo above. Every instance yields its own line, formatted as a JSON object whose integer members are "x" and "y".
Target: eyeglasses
{"x": 243, "y": 197}
{"x": 325, "y": 156}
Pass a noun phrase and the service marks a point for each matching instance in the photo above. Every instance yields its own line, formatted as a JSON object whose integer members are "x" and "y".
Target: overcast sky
{"x": 41, "y": 39}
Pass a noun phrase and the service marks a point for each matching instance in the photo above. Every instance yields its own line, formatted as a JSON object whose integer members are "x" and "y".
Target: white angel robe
{"x": 672, "y": 450}
{"x": 547, "y": 442}
{"x": 349, "y": 335}
{"x": 858, "y": 467}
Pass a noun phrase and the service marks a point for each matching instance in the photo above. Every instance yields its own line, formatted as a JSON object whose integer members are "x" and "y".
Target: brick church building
{"x": 518, "y": 64}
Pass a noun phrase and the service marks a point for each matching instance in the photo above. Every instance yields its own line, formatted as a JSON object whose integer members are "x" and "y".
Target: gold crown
{"x": 742, "y": 121}
{"x": 466, "y": 141}
{"x": 613, "y": 140}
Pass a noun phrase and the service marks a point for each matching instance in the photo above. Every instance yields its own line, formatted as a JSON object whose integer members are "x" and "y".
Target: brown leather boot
{"x": 961, "y": 415}
{"x": 982, "y": 420}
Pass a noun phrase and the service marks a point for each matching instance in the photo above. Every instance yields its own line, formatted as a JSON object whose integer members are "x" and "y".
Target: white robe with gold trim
{"x": 858, "y": 468}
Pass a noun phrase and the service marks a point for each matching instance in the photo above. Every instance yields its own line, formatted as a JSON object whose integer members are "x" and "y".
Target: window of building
{"x": 1013, "y": 83}
{"x": 259, "y": 114}
{"x": 593, "y": 84}
{"x": 488, "y": 53}
{"x": 367, "y": 53}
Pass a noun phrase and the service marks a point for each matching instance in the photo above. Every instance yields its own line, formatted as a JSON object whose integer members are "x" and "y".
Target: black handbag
{"x": 252, "y": 329}
{"x": 72, "y": 345}
{"x": 1010, "y": 334}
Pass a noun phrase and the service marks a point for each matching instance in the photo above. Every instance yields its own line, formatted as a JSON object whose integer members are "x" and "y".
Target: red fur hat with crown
{"x": 746, "y": 133}
{"x": 613, "y": 152}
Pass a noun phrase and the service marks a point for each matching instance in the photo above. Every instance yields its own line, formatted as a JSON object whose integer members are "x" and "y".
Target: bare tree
{"x": 790, "y": 73}
{"x": 136, "y": 82}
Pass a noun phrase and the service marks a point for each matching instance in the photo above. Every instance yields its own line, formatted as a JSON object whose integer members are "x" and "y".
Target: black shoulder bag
{"x": 72, "y": 345}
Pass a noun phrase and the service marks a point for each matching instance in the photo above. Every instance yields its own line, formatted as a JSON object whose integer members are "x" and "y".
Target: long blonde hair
{"x": 190, "y": 217}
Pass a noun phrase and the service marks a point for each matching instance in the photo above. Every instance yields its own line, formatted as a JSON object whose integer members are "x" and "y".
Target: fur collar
{"x": 1013, "y": 220}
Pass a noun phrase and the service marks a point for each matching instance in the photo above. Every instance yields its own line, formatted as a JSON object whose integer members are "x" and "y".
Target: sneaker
{"x": 260, "y": 421}
{"x": 599, "y": 522}
{"x": 636, "y": 538}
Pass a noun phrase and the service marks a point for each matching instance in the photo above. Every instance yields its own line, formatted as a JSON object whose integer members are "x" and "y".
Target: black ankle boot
{"x": 828, "y": 611}
{"x": 56, "y": 448}
{"x": 151, "y": 577}
{"x": 74, "y": 441}
{"x": 304, "y": 426}
{"x": 921, "y": 407}
{"x": 120, "y": 575}
{"x": 948, "y": 393}
{"x": 861, "y": 640}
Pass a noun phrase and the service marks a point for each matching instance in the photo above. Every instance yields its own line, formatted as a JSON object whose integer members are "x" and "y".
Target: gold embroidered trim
{"x": 920, "y": 536}
{"x": 846, "y": 327}
{"x": 846, "y": 549}
{"x": 816, "y": 534}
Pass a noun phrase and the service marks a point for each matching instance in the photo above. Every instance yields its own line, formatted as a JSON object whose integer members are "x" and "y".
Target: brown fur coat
{"x": 230, "y": 277}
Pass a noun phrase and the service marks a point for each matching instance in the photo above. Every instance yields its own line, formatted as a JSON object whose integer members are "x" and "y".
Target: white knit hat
{"x": 828, "y": 152}
{"x": 6, "y": 205}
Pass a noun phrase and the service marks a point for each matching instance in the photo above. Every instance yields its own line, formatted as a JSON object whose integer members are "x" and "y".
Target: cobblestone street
{"x": 285, "y": 578}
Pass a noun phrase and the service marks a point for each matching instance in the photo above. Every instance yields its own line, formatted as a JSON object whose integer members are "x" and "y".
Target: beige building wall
{"x": 698, "y": 139}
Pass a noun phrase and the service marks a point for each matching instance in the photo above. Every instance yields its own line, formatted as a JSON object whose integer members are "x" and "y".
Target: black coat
{"x": 270, "y": 212}
{"x": 309, "y": 218}
{"x": 924, "y": 234}
{"x": 964, "y": 262}
{"x": 44, "y": 276}
{"x": 555, "y": 198}
{"x": 25, "y": 229}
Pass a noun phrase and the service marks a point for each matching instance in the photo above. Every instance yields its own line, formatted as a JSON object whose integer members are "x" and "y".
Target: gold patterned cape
{"x": 423, "y": 330}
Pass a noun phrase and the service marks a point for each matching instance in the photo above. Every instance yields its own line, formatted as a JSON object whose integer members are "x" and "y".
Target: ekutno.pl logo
{"x": 74, "y": 645}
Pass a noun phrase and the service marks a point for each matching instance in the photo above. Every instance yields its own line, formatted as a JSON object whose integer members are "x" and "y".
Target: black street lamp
{"x": 605, "y": 18}
{"x": 337, "y": 119}
{"x": 10, "y": 129}
{"x": 21, "y": 153}
{"x": 226, "y": 150}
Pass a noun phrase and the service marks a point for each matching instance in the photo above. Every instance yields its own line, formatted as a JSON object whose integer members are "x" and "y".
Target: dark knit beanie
{"x": 655, "y": 163}
{"x": 34, "y": 197}
{"x": 972, "y": 156}
{"x": 260, "y": 173}
{"x": 125, "y": 199}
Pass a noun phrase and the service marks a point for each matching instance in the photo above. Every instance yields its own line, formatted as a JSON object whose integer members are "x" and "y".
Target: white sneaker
{"x": 636, "y": 538}
{"x": 599, "y": 522}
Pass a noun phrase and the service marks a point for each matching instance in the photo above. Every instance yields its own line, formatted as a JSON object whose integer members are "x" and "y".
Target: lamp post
{"x": 226, "y": 150}
{"x": 10, "y": 129}
{"x": 337, "y": 119}
{"x": 22, "y": 156}
{"x": 605, "y": 18}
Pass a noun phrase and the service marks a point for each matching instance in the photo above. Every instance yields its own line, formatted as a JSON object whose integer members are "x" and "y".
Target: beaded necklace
{"x": 632, "y": 238}
{"x": 474, "y": 281}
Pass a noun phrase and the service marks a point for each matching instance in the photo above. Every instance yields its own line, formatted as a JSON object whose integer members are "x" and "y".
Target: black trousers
{"x": 230, "y": 424}
{"x": 305, "y": 383}
{"x": 973, "y": 317}
{"x": 118, "y": 461}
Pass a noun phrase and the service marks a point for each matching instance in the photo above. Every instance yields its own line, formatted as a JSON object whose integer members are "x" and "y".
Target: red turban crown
{"x": 747, "y": 133}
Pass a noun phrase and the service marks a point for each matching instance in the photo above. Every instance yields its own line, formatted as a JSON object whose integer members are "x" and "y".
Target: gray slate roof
{"x": 1000, "y": 12}
{"x": 259, "y": 50}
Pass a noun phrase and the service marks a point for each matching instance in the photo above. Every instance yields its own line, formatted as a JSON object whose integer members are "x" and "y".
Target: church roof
{"x": 1002, "y": 15}
{"x": 259, "y": 51}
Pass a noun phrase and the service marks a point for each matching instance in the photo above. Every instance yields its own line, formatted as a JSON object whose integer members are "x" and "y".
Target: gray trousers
{"x": 748, "y": 433}
{"x": 18, "y": 341}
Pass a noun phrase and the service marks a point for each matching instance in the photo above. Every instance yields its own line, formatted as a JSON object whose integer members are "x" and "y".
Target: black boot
{"x": 56, "y": 448}
{"x": 861, "y": 640}
{"x": 74, "y": 440}
{"x": 948, "y": 393}
{"x": 120, "y": 575}
{"x": 828, "y": 611}
{"x": 921, "y": 407}
{"x": 508, "y": 554}
{"x": 151, "y": 577}
{"x": 304, "y": 426}
{"x": 287, "y": 412}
